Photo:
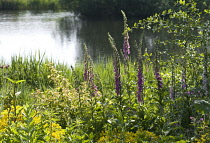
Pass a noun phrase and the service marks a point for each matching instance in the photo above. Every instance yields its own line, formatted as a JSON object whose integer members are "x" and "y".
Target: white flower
{"x": 18, "y": 93}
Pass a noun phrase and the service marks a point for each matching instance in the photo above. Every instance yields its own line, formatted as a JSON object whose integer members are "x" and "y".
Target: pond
{"x": 60, "y": 35}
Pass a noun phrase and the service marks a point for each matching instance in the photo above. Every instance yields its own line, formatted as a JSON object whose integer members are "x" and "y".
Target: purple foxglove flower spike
{"x": 172, "y": 93}
{"x": 159, "y": 79}
{"x": 140, "y": 80}
{"x": 183, "y": 80}
{"x": 88, "y": 73}
{"x": 126, "y": 46}
{"x": 116, "y": 64}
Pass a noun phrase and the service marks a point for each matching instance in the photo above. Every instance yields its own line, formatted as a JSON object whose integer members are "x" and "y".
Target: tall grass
{"x": 29, "y": 4}
{"x": 57, "y": 88}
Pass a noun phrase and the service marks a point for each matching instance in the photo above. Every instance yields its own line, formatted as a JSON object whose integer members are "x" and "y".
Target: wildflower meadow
{"x": 157, "y": 97}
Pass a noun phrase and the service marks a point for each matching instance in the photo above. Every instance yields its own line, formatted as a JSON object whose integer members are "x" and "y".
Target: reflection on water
{"x": 60, "y": 35}
{"x": 25, "y": 33}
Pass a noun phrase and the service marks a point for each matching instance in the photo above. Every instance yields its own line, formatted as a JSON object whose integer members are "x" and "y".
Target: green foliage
{"x": 15, "y": 82}
{"x": 139, "y": 136}
{"x": 132, "y": 8}
{"x": 29, "y": 4}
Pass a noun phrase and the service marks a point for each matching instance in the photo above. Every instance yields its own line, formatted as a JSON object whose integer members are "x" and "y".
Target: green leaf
{"x": 15, "y": 82}
{"x": 169, "y": 11}
{"x": 164, "y": 12}
{"x": 206, "y": 10}
{"x": 12, "y": 81}
{"x": 182, "y": 2}
{"x": 19, "y": 81}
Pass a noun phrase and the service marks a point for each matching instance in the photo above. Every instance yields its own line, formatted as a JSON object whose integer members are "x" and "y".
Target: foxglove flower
{"x": 126, "y": 46}
{"x": 88, "y": 73}
{"x": 159, "y": 79}
{"x": 4, "y": 66}
{"x": 140, "y": 80}
{"x": 183, "y": 80}
{"x": 116, "y": 64}
{"x": 93, "y": 87}
{"x": 172, "y": 93}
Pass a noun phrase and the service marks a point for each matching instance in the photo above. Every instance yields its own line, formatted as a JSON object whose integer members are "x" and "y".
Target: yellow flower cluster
{"x": 5, "y": 117}
{"x": 146, "y": 135}
{"x": 52, "y": 131}
{"x": 203, "y": 139}
{"x": 3, "y": 120}
{"x": 55, "y": 131}
{"x": 129, "y": 137}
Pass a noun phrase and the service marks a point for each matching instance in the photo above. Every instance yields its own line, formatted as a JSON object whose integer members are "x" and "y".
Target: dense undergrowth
{"x": 120, "y": 100}
{"x": 98, "y": 8}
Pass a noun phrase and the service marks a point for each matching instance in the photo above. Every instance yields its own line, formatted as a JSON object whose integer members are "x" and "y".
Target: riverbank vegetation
{"x": 98, "y": 8}
{"x": 118, "y": 99}
{"x": 29, "y": 5}
{"x": 132, "y": 8}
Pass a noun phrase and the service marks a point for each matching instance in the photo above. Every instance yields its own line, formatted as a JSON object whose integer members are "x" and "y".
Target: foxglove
{"x": 126, "y": 45}
{"x": 88, "y": 73}
{"x": 86, "y": 64}
{"x": 116, "y": 64}
{"x": 140, "y": 80}
{"x": 183, "y": 80}
{"x": 172, "y": 93}
{"x": 159, "y": 79}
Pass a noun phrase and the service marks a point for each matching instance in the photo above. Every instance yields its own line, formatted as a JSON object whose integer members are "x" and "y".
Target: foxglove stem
{"x": 157, "y": 72}
{"x": 172, "y": 93}
{"x": 205, "y": 73}
{"x": 172, "y": 88}
{"x": 140, "y": 80}
{"x": 159, "y": 79}
{"x": 205, "y": 83}
{"x": 117, "y": 74}
{"x": 183, "y": 80}
{"x": 126, "y": 45}
{"x": 89, "y": 74}
{"x": 93, "y": 88}
{"x": 91, "y": 82}
{"x": 86, "y": 64}
{"x": 116, "y": 64}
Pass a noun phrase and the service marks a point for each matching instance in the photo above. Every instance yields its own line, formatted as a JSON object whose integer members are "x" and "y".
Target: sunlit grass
{"x": 30, "y": 5}
{"x": 58, "y": 94}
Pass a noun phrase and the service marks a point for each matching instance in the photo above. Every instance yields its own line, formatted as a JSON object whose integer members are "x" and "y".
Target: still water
{"x": 59, "y": 35}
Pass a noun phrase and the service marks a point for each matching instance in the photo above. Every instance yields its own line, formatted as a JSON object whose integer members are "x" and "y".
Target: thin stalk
{"x": 14, "y": 100}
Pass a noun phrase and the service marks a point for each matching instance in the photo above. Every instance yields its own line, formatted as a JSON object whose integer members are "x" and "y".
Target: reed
{"x": 29, "y": 5}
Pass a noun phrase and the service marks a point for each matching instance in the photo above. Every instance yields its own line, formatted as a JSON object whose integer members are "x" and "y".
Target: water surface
{"x": 59, "y": 35}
